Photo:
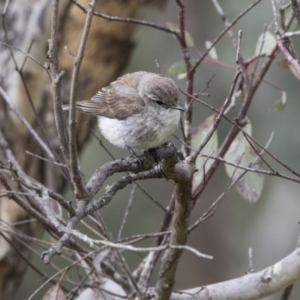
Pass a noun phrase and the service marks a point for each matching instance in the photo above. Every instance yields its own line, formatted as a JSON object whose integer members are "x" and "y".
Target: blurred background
{"x": 271, "y": 226}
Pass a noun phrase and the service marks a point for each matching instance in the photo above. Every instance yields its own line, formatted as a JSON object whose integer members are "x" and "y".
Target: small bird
{"x": 139, "y": 111}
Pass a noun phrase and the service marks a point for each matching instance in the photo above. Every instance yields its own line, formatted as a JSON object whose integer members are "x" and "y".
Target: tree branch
{"x": 251, "y": 286}
{"x": 56, "y": 82}
{"x": 79, "y": 189}
{"x": 179, "y": 230}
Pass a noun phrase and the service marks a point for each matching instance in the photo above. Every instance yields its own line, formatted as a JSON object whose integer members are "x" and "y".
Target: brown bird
{"x": 140, "y": 110}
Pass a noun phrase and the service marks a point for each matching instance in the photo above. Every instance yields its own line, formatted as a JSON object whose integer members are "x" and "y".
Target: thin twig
{"x": 13, "y": 108}
{"x": 253, "y": 170}
{"x": 224, "y": 32}
{"x": 43, "y": 275}
{"x": 212, "y": 209}
{"x": 189, "y": 76}
{"x": 139, "y": 237}
{"x": 293, "y": 61}
{"x": 56, "y": 83}
{"x": 107, "y": 243}
{"x": 127, "y": 20}
{"x": 61, "y": 271}
{"x": 225, "y": 21}
{"x": 126, "y": 269}
{"x": 45, "y": 159}
{"x": 254, "y": 149}
{"x": 27, "y": 55}
{"x": 296, "y": 10}
{"x": 126, "y": 212}
{"x": 76, "y": 178}
{"x": 250, "y": 255}
{"x": 249, "y": 137}
{"x": 120, "y": 184}
{"x": 239, "y": 120}
{"x": 194, "y": 156}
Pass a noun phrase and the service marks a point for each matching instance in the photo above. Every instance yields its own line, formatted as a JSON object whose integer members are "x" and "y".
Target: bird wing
{"x": 116, "y": 101}
{"x": 130, "y": 80}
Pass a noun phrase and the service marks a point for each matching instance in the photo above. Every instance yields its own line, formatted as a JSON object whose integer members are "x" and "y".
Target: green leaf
{"x": 250, "y": 185}
{"x": 213, "y": 52}
{"x": 177, "y": 68}
{"x": 294, "y": 25}
{"x": 198, "y": 135}
{"x": 188, "y": 37}
{"x": 266, "y": 43}
{"x": 280, "y": 104}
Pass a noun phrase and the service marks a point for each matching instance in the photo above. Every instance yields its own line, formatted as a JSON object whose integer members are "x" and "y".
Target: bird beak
{"x": 178, "y": 106}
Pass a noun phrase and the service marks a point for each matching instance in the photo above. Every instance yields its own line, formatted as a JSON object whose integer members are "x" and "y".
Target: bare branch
{"x": 189, "y": 76}
{"x": 225, "y": 21}
{"x": 179, "y": 232}
{"x": 26, "y": 124}
{"x": 126, "y": 212}
{"x": 251, "y": 286}
{"x": 127, "y": 20}
{"x": 56, "y": 83}
{"x": 75, "y": 175}
{"x": 213, "y": 44}
{"x": 194, "y": 156}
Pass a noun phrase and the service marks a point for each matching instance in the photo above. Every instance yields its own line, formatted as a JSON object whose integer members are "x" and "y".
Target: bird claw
{"x": 153, "y": 152}
{"x": 139, "y": 161}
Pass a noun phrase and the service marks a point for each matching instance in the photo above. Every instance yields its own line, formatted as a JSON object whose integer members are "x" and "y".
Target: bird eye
{"x": 159, "y": 102}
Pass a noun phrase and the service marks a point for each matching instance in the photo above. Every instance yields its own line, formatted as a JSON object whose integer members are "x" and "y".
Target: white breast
{"x": 142, "y": 131}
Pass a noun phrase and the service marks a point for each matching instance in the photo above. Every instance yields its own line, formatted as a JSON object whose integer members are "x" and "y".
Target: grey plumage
{"x": 142, "y": 106}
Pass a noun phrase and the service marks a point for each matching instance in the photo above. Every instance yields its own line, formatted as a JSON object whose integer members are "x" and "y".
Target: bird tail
{"x": 66, "y": 107}
{"x": 86, "y": 106}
